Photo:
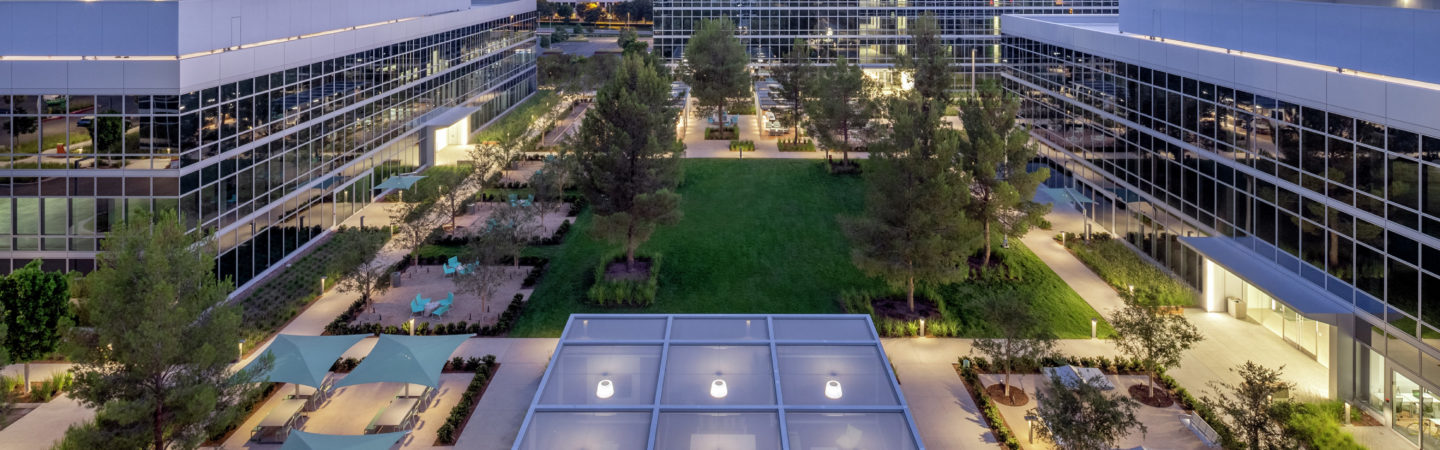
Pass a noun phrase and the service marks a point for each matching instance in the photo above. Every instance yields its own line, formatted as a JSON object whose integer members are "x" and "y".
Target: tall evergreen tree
{"x": 157, "y": 368}
{"x": 627, "y": 160}
{"x": 39, "y": 305}
{"x": 795, "y": 73}
{"x": 995, "y": 151}
{"x": 843, "y": 103}
{"x": 927, "y": 64}
{"x": 914, "y": 225}
{"x": 715, "y": 66}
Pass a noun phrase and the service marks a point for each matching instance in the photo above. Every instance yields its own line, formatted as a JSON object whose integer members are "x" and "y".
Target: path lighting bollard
{"x": 322, "y": 285}
{"x": 412, "y": 326}
{"x": 1131, "y": 287}
{"x": 1347, "y": 413}
{"x": 239, "y": 350}
{"x": 922, "y": 328}
{"x": 1093, "y": 324}
{"x": 1030, "y": 424}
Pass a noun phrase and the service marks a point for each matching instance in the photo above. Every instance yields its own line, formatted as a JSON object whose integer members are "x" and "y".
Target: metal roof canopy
{"x": 405, "y": 359}
{"x": 304, "y": 359}
{"x": 300, "y": 440}
{"x": 399, "y": 182}
{"x": 1286, "y": 287}
{"x": 650, "y": 381}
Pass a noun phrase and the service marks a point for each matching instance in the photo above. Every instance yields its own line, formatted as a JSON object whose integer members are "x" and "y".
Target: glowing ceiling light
{"x": 832, "y": 390}
{"x": 605, "y": 389}
{"x": 718, "y": 389}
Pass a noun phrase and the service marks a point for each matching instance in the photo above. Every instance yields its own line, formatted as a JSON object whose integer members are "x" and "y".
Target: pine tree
{"x": 715, "y": 67}
{"x": 843, "y": 103}
{"x": 914, "y": 225}
{"x": 995, "y": 151}
{"x": 627, "y": 160}
{"x": 157, "y": 368}
{"x": 794, "y": 74}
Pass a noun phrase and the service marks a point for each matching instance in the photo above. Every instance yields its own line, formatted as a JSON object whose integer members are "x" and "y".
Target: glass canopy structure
{"x": 718, "y": 382}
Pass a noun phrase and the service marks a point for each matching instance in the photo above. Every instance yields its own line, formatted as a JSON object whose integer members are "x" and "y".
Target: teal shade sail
{"x": 300, "y": 440}
{"x": 304, "y": 360}
{"x": 405, "y": 359}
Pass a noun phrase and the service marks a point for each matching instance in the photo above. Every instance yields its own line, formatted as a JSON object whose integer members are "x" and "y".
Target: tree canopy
{"x": 843, "y": 103}
{"x": 795, "y": 74}
{"x": 1022, "y": 338}
{"x": 1084, "y": 417}
{"x": 995, "y": 151}
{"x": 626, "y": 156}
{"x": 38, "y": 303}
{"x": 1248, "y": 406}
{"x": 158, "y": 367}
{"x": 1157, "y": 340}
{"x": 715, "y": 66}
{"x": 914, "y": 225}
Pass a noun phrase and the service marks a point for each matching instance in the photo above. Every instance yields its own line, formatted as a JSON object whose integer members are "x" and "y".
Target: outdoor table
{"x": 280, "y": 420}
{"x": 394, "y": 416}
{"x": 430, "y": 308}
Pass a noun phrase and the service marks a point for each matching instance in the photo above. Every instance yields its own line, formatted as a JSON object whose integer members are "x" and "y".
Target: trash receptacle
{"x": 1236, "y": 307}
{"x": 394, "y": 279}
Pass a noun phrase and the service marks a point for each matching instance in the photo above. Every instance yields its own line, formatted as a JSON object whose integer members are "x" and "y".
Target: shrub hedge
{"x": 742, "y": 146}
{"x": 449, "y": 432}
{"x": 1317, "y": 425}
{"x": 1121, "y": 268}
{"x": 992, "y": 414}
{"x": 636, "y": 293}
{"x": 805, "y": 145}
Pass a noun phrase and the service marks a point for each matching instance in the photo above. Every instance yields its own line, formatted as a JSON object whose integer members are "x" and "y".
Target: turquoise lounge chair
{"x": 449, "y": 299}
{"x": 418, "y": 305}
{"x": 514, "y": 199}
{"x": 440, "y": 311}
{"x": 449, "y": 270}
{"x": 453, "y": 262}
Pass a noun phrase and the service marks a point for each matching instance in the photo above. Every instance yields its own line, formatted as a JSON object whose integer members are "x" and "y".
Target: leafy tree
{"x": 488, "y": 163}
{"x": 415, "y": 226}
{"x": 544, "y": 8}
{"x": 639, "y": 10}
{"x": 39, "y": 306}
{"x": 453, "y": 188}
{"x": 502, "y": 237}
{"x": 995, "y": 151}
{"x": 158, "y": 367}
{"x": 627, "y": 160}
{"x": 1248, "y": 405}
{"x": 843, "y": 103}
{"x": 1085, "y": 417}
{"x": 368, "y": 278}
{"x": 1022, "y": 339}
{"x": 591, "y": 14}
{"x": 549, "y": 186}
{"x": 914, "y": 225}
{"x": 1156, "y": 340}
{"x": 565, "y": 10}
{"x": 795, "y": 74}
{"x": 715, "y": 66}
{"x": 630, "y": 42}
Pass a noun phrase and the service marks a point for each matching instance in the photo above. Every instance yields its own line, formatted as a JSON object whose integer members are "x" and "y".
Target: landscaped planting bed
{"x": 1020, "y": 276}
{"x": 449, "y": 432}
{"x": 1121, "y": 268}
{"x": 289, "y": 290}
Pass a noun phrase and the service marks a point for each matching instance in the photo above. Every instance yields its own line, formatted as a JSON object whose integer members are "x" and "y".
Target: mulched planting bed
{"x": 1141, "y": 392}
{"x": 620, "y": 271}
{"x": 896, "y": 307}
{"x": 1017, "y": 396}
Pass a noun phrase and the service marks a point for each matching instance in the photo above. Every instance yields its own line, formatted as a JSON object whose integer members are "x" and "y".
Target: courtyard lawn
{"x": 761, "y": 236}
{"x": 758, "y": 236}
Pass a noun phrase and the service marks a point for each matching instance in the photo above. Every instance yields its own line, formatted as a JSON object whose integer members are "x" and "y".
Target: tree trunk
{"x": 158, "y": 427}
{"x": 1006, "y": 383}
{"x": 1152, "y": 383}
{"x": 910, "y": 293}
{"x": 986, "y": 262}
{"x": 845, "y": 137}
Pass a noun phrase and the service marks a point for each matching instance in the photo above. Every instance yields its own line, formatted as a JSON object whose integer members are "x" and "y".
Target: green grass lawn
{"x": 758, "y": 236}
{"x": 761, "y": 236}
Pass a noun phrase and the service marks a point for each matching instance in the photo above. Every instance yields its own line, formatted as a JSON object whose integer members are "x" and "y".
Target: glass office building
{"x": 266, "y": 142}
{"x": 1296, "y": 194}
{"x": 868, "y": 32}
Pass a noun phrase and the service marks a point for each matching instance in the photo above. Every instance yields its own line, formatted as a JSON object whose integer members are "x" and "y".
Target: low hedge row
{"x": 861, "y": 302}
{"x": 790, "y": 146}
{"x": 992, "y": 414}
{"x": 449, "y": 432}
{"x": 742, "y": 146}
{"x": 620, "y": 293}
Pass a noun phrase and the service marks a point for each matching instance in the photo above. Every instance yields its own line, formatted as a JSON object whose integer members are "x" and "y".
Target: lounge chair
{"x": 440, "y": 310}
{"x": 514, "y": 199}
{"x": 449, "y": 270}
{"x": 453, "y": 262}
{"x": 448, "y": 300}
{"x": 418, "y": 305}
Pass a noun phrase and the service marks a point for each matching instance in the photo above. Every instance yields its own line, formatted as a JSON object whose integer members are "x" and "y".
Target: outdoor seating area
{"x": 430, "y": 294}
{"x": 406, "y": 369}
{"x": 479, "y": 218}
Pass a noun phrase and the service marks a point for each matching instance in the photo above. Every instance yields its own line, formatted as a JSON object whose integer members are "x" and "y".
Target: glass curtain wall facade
{"x": 1349, "y": 205}
{"x": 871, "y": 33}
{"x": 266, "y": 163}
